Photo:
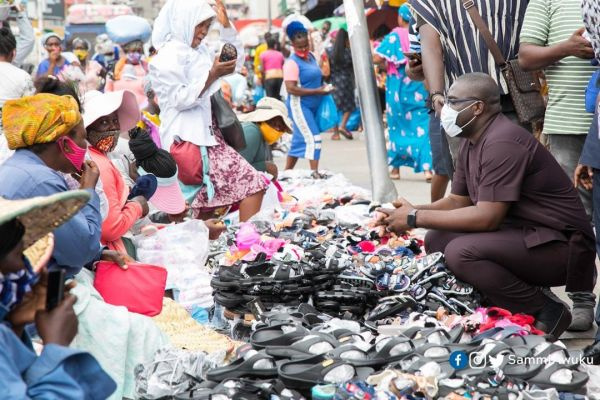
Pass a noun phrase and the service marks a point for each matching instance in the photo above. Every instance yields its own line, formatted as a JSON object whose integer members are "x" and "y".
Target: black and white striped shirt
{"x": 464, "y": 49}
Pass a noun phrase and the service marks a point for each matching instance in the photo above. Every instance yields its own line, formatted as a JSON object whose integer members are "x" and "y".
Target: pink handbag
{"x": 140, "y": 287}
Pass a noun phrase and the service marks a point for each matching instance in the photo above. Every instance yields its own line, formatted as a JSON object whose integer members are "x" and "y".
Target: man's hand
{"x": 89, "y": 175}
{"x": 415, "y": 70}
{"x": 118, "y": 258}
{"x": 584, "y": 177}
{"x": 220, "y": 69}
{"x": 54, "y": 57}
{"x": 58, "y": 326}
{"x": 579, "y": 46}
{"x": 215, "y": 228}
{"x": 395, "y": 220}
{"x": 34, "y": 301}
{"x": 438, "y": 103}
{"x": 221, "y": 13}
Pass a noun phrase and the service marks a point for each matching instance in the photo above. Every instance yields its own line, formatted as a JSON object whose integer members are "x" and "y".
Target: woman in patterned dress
{"x": 407, "y": 113}
{"x": 342, "y": 78}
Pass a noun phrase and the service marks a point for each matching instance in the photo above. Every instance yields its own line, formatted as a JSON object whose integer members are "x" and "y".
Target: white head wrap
{"x": 178, "y": 19}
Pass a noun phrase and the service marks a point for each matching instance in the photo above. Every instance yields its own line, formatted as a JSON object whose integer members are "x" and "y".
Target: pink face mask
{"x": 77, "y": 154}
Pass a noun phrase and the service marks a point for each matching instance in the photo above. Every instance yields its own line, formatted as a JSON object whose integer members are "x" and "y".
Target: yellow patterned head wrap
{"x": 42, "y": 118}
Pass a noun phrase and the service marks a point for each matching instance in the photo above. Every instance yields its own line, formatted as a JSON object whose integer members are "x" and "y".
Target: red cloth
{"x": 140, "y": 287}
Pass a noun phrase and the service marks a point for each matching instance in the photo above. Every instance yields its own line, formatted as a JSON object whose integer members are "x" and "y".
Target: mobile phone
{"x": 413, "y": 56}
{"x": 56, "y": 289}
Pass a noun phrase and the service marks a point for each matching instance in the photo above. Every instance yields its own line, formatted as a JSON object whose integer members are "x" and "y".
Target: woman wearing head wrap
{"x": 49, "y": 138}
{"x": 130, "y": 72}
{"x": 48, "y": 133}
{"x": 55, "y": 62}
{"x": 304, "y": 84}
{"x": 184, "y": 74}
{"x": 407, "y": 113}
{"x": 93, "y": 73}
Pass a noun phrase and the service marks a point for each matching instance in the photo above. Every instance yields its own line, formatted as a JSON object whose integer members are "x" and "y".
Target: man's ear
{"x": 479, "y": 108}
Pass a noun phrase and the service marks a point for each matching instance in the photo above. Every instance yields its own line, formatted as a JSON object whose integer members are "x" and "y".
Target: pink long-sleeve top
{"x": 122, "y": 215}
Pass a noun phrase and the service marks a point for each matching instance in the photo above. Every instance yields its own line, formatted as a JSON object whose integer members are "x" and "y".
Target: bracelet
{"x": 432, "y": 97}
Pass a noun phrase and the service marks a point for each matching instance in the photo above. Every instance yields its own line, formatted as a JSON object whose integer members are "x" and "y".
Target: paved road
{"x": 350, "y": 158}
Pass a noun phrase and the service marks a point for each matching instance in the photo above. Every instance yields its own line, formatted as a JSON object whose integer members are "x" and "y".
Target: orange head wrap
{"x": 42, "y": 118}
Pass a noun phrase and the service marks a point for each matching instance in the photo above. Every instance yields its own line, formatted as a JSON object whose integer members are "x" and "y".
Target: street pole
{"x": 269, "y": 15}
{"x": 40, "y": 5}
{"x": 381, "y": 185}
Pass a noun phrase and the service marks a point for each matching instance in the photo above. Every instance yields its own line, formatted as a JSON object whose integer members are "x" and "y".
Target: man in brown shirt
{"x": 513, "y": 223}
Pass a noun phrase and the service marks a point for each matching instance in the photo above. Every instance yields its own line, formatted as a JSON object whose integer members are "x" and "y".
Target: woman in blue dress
{"x": 406, "y": 110}
{"x": 304, "y": 84}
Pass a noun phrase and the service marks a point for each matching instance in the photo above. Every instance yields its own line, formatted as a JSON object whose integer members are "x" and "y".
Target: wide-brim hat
{"x": 266, "y": 109}
{"x": 168, "y": 196}
{"x": 42, "y": 215}
{"x": 97, "y": 105}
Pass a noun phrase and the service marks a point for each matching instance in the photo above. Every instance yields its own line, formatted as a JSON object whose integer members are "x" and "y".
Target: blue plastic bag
{"x": 128, "y": 28}
{"x": 327, "y": 114}
{"x": 258, "y": 94}
{"x": 591, "y": 92}
{"x": 354, "y": 121}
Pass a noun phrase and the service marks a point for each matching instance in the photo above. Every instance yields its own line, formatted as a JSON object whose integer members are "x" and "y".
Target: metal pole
{"x": 270, "y": 17}
{"x": 40, "y": 5}
{"x": 381, "y": 185}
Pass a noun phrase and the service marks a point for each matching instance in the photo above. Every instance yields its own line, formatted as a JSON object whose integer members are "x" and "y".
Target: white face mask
{"x": 449, "y": 116}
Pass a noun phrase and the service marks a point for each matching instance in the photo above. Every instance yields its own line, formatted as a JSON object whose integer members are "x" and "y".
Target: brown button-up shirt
{"x": 507, "y": 164}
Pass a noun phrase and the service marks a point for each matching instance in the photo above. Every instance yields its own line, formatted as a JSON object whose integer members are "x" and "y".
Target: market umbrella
{"x": 337, "y": 23}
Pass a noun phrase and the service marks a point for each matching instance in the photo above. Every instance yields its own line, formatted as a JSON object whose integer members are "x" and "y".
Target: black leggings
{"x": 273, "y": 87}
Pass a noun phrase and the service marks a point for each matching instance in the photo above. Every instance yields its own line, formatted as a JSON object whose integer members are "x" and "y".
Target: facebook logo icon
{"x": 459, "y": 360}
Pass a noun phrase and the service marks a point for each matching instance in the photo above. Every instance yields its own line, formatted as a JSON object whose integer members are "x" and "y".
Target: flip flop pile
{"x": 303, "y": 354}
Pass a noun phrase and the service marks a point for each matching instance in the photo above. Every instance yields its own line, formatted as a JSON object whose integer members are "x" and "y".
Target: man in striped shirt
{"x": 453, "y": 46}
{"x": 552, "y": 39}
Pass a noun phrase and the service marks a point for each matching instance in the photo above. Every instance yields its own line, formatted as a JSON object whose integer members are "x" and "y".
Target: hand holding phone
{"x": 55, "y": 292}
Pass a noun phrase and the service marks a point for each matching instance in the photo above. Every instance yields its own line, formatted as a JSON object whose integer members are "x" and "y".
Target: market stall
{"x": 315, "y": 303}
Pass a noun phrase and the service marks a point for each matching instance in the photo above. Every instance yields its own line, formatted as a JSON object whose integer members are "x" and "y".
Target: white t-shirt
{"x": 15, "y": 83}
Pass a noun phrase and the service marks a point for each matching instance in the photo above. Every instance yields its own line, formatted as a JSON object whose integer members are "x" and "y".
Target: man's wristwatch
{"x": 411, "y": 218}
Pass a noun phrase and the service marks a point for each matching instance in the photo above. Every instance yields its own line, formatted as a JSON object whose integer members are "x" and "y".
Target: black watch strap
{"x": 411, "y": 218}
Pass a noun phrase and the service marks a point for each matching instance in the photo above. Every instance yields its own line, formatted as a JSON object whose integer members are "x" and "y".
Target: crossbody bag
{"x": 524, "y": 87}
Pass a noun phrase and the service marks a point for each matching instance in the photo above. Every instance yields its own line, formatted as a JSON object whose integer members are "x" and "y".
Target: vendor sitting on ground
{"x": 262, "y": 128}
{"x": 514, "y": 223}
{"x": 59, "y": 371}
{"x": 106, "y": 116}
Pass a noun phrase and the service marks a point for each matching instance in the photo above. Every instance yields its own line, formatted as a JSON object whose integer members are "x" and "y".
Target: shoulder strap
{"x": 480, "y": 24}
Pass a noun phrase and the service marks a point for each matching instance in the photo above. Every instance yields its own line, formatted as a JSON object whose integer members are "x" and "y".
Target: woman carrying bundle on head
{"x": 184, "y": 75}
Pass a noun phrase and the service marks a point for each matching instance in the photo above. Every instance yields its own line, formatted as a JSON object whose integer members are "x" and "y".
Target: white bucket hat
{"x": 97, "y": 105}
{"x": 268, "y": 108}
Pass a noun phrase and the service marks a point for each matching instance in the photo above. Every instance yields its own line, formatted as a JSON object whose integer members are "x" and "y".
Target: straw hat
{"x": 268, "y": 108}
{"x": 42, "y": 215}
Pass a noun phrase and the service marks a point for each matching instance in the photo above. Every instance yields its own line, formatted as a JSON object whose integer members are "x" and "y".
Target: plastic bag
{"x": 182, "y": 250}
{"x": 258, "y": 94}
{"x": 354, "y": 121}
{"x": 591, "y": 92}
{"x": 327, "y": 114}
{"x": 128, "y": 28}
